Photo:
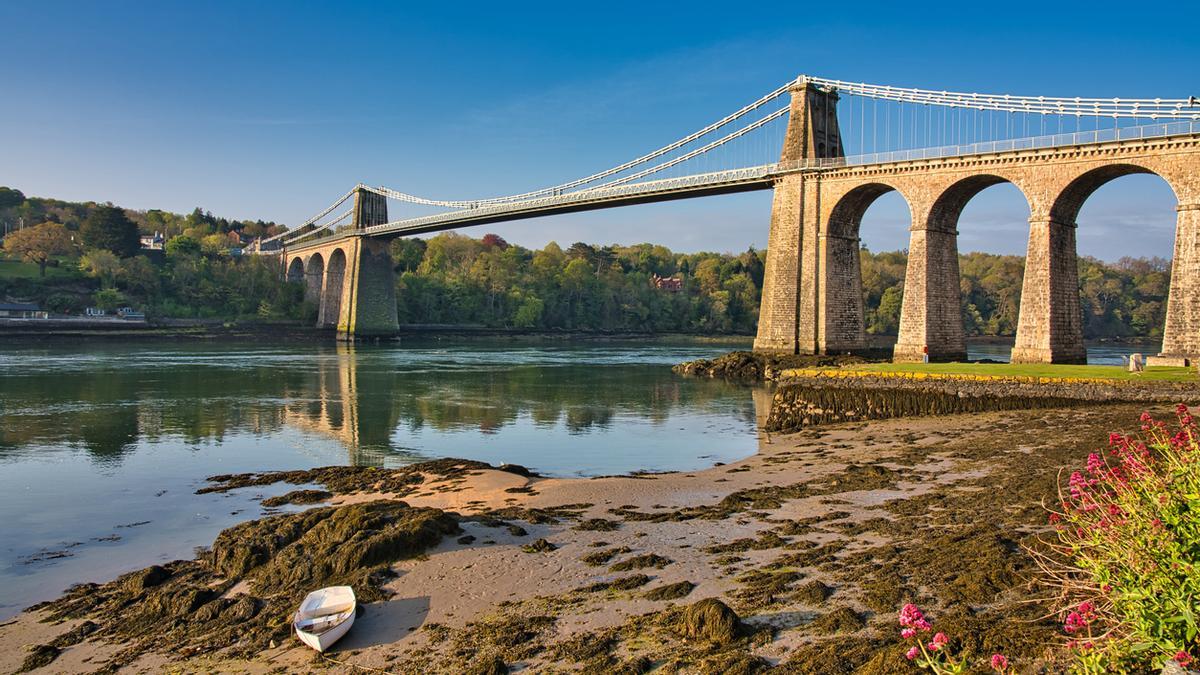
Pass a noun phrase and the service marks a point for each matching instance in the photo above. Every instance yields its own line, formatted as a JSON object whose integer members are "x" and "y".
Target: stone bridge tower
{"x": 351, "y": 277}
{"x": 811, "y": 301}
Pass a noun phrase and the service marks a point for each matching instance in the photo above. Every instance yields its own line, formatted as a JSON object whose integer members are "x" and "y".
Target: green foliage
{"x": 1127, "y": 551}
{"x": 108, "y": 298}
{"x": 182, "y": 246}
{"x": 107, "y": 228}
{"x": 101, "y": 264}
{"x": 10, "y": 197}
{"x": 460, "y": 280}
{"x": 1123, "y": 299}
{"x": 39, "y": 244}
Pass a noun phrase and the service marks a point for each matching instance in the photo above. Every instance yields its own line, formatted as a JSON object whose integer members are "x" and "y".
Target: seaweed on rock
{"x": 190, "y": 607}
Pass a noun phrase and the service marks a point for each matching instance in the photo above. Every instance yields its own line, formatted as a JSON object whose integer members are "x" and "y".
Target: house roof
{"x": 19, "y": 307}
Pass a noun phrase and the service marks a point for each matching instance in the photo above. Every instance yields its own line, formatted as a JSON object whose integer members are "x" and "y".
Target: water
{"x": 102, "y": 446}
{"x": 1098, "y": 353}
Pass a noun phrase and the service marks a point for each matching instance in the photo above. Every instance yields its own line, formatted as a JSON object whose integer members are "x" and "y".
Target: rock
{"x": 517, "y": 469}
{"x": 711, "y": 620}
{"x": 485, "y": 665}
{"x": 39, "y": 657}
{"x": 150, "y": 577}
{"x": 298, "y": 497}
{"x": 539, "y": 546}
{"x": 670, "y": 591}
{"x": 181, "y": 607}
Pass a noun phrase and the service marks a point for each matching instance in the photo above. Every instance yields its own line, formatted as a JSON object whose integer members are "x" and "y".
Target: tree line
{"x": 459, "y": 280}
{"x": 97, "y": 254}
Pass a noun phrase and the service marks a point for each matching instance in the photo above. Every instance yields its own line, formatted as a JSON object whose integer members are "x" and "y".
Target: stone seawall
{"x": 806, "y": 398}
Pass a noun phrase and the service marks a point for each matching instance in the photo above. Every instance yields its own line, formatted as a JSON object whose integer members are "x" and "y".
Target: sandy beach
{"x": 816, "y": 541}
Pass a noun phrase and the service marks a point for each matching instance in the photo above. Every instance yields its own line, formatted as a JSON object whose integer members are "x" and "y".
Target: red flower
{"x": 1183, "y": 658}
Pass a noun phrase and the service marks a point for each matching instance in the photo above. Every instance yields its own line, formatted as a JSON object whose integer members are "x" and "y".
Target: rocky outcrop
{"x": 760, "y": 367}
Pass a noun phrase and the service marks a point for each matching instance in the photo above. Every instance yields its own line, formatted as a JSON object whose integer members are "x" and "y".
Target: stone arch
{"x": 848, "y": 211}
{"x": 948, "y": 206}
{"x": 841, "y": 314}
{"x": 314, "y": 277}
{"x": 295, "y": 271}
{"x": 331, "y": 303}
{"x": 931, "y": 322}
{"x": 1067, "y": 203}
{"x": 1181, "y": 330}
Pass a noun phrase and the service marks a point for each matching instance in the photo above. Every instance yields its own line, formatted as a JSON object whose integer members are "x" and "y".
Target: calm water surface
{"x": 102, "y": 446}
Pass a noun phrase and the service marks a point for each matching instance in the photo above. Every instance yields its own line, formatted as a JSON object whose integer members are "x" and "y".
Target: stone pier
{"x": 350, "y": 275}
{"x": 1181, "y": 335}
{"x": 810, "y": 303}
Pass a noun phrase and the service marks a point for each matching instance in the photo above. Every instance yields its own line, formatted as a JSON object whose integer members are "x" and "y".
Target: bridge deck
{"x": 742, "y": 180}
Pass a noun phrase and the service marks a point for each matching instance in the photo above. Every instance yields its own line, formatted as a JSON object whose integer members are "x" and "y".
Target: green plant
{"x": 108, "y": 299}
{"x": 1124, "y": 562}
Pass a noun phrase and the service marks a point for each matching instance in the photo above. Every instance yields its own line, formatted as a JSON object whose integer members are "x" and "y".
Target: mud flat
{"x": 811, "y": 545}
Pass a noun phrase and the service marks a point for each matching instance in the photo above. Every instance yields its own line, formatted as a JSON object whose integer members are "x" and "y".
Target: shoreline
{"x": 814, "y": 541}
{"x": 211, "y": 329}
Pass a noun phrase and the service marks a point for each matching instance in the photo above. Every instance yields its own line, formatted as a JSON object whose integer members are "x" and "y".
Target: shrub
{"x": 108, "y": 298}
{"x": 1124, "y": 562}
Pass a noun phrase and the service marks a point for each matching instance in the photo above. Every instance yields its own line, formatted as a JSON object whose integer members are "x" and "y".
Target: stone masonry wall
{"x": 1055, "y": 182}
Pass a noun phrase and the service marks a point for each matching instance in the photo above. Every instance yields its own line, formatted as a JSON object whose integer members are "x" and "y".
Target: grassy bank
{"x": 1022, "y": 370}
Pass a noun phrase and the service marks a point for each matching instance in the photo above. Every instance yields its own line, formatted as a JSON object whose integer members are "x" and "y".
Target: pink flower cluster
{"x": 999, "y": 663}
{"x": 912, "y": 617}
{"x": 1079, "y": 619}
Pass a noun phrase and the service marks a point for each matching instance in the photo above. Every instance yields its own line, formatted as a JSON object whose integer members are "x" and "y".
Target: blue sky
{"x": 273, "y": 109}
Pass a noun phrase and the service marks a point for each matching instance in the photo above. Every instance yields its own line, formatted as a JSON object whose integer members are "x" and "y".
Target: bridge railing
{"x": 1111, "y": 135}
{"x": 762, "y": 174}
{"x": 745, "y": 175}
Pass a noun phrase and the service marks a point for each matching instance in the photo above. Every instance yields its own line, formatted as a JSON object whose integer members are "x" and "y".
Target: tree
{"x": 108, "y": 299}
{"x": 139, "y": 276}
{"x": 40, "y": 243}
{"x": 102, "y": 265}
{"x": 109, "y": 229}
{"x": 407, "y": 253}
{"x": 494, "y": 241}
{"x": 182, "y": 246}
{"x": 10, "y": 197}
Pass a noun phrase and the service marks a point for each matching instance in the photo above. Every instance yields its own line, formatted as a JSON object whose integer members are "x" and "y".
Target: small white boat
{"x": 325, "y": 616}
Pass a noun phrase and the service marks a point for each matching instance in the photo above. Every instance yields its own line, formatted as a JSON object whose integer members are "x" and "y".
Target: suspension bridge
{"x": 828, "y": 149}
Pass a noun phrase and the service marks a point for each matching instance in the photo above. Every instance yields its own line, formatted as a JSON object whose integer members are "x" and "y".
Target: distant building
{"x": 153, "y": 242}
{"x": 22, "y": 310}
{"x": 671, "y": 284}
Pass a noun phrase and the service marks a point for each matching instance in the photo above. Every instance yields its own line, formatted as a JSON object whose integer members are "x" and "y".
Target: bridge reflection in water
{"x": 385, "y": 416}
{"x": 564, "y": 408}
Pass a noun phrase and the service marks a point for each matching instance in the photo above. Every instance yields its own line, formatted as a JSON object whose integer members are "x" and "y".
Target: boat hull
{"x": 325, "y": 640}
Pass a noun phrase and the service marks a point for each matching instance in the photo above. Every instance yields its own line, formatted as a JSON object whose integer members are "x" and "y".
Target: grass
{"x": 11, "y": 268}
{"x": 1155, "y": 373}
